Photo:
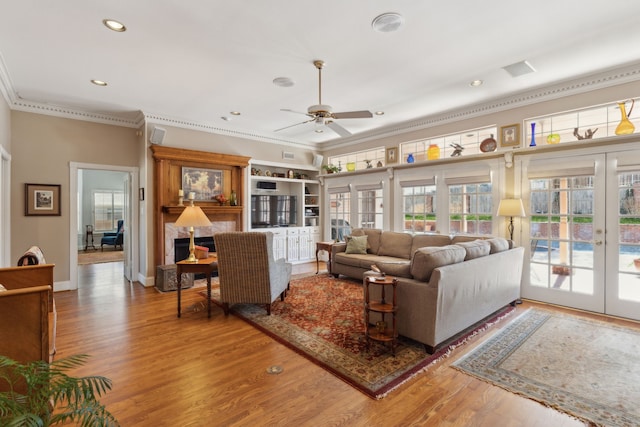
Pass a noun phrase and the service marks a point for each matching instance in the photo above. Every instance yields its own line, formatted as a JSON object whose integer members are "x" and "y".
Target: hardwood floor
{"x": 195, "y": 371}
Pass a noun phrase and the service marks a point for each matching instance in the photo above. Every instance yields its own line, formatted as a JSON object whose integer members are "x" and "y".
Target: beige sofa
{"x": 445, "y": 284}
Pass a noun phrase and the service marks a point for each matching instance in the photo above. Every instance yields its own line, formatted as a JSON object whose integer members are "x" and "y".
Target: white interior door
{"x": 126, "y": 245}
{"x": 564, "y": 199}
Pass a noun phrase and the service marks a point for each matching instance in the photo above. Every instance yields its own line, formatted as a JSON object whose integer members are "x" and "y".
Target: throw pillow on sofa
{"x": 475, "y": 249}
{"x": 356, "y": 245}
{"x": 393, "y": 243}
{"x": 498, "y": 244}
{"x": 425, "y": 260}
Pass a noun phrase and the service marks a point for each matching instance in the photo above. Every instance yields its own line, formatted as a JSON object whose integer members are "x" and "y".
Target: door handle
{"x": 598, "y": 242}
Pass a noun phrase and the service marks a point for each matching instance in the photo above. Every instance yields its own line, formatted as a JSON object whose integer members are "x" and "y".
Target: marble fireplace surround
{"x": 171, "y": 232}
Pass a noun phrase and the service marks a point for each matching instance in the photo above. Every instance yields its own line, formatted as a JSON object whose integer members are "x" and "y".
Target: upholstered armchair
{"x": 114, "y": 239}
{"x": 247, "y": 270}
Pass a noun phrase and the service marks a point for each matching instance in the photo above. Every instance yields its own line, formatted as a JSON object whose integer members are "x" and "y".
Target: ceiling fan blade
{"x": 338, "y": 129}
{"x": 364, "y": 114}
{"x": 290, "y": 126}
{"x": 294, "y": 111}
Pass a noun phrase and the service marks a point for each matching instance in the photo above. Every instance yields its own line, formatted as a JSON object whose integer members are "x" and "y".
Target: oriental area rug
{"x": 586, "y": 368}
{"x": 322, "y": 318}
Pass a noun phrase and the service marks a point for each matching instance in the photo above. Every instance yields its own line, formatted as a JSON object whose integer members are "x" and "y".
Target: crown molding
{"x": 602, "y": 80}
{"x": 155, "y": 118}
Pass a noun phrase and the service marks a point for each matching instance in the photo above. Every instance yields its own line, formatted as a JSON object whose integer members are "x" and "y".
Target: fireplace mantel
{"x": 168, "y": 180}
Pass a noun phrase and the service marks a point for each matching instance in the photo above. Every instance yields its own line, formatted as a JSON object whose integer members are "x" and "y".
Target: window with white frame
{"x": 360, "y": 160}
{"x": 467, "y": 142}
{"x": 370, "y": 208}
{"x": 419, "y": 205}
{"x": 470, "y": 205}
{"x": 108, "y": 208}
{"x": 340, "y": 212}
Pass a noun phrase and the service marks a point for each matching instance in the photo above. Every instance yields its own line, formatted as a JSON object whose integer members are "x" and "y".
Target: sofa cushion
{"x": 373, "y": 238}
{"x": 475, "y": 249}
{"x": 356, "y": 244}
{"x": 498, "y": 244}
{"x": 424, "y": 240}
{"x": 399, "y": 269}
{"x": 395, "y": 244}
{"x": 425, "y": 260}
{"x": 467, "y": 238}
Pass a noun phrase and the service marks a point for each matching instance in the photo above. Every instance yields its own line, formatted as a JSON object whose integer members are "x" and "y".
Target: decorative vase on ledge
{"x": 625, "y": 127}
{"x": 533, "y": 135}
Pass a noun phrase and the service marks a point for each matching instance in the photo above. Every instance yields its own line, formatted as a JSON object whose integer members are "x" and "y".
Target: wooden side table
{"x": 206, "y": 266}
{"x": 323, "y": 246}
{"x": 381, "y": 331}
{"x": 89, "y": 238}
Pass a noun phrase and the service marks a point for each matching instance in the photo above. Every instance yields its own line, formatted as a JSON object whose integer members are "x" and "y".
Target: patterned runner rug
{"x": 322, "y": 318}
{"x": 586, "y": 368}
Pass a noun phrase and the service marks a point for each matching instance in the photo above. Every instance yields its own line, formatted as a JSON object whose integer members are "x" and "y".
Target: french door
{"x": 583, "y": 231}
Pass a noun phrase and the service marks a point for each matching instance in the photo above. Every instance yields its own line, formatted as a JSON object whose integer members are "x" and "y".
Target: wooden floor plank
{"x": 196, "y": 371}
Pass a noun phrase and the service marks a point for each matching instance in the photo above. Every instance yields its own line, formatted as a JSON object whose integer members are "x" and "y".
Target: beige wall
{"x": 42, "y": 147}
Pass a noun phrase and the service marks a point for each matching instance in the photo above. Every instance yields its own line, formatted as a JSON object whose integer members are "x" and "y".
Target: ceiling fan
{"x": 323, "y": 114}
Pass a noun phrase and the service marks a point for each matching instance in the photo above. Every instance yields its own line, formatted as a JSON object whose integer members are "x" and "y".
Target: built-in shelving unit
{"x": 285, "y": 199}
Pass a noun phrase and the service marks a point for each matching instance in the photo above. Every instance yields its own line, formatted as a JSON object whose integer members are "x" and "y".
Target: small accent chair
{"x": 247, "y": 270}
{"x": 114, "y": 239}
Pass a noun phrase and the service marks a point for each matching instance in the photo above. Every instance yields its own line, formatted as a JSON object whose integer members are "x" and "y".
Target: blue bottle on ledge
{"x": 410, "y": 158}
{"x": 533, "y": 135}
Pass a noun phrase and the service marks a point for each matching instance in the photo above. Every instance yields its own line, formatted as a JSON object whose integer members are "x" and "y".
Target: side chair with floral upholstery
{"x": 248, "y": 271}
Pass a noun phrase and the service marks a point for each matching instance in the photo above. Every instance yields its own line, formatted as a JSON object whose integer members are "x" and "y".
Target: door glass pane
{"x": 562, "y": 234}
{"x": 629, "y": 237}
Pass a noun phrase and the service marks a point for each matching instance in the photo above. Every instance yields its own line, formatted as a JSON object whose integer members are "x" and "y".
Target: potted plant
{"x": 51, "y": 397}
{"x": 331, "y": 168}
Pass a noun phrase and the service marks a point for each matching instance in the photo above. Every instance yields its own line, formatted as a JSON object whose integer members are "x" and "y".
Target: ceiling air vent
{"x": 519, "y": 69}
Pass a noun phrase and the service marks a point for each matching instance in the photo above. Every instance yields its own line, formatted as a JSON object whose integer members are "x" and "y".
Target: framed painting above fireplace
{"x": 204, "y": 183}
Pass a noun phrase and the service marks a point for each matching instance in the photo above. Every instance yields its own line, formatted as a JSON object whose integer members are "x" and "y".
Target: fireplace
{"x": 181, "y": 246}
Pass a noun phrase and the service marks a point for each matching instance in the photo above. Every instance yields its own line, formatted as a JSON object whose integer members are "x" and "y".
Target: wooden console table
{"x": 206, "y": 266}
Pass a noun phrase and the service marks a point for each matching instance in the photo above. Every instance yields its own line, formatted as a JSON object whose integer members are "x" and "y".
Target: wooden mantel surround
{"x": 169, "y": 162}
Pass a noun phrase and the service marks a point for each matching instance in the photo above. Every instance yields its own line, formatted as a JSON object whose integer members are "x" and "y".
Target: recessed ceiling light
{"x": 387, "y": 22}
{"x": 379, "y": 113}
{"x": 114, "y": 25}
{"x": 226, "y": 119}
{"x": 98, "y": 82}
{"x": 235, "y": 113}
{"x": 476, "y": 83}
{"x": 319, "y": 131}
{"x": 283, "y": 82}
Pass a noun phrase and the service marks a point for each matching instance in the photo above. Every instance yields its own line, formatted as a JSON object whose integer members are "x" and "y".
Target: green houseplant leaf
{"x": 52, "y": 397}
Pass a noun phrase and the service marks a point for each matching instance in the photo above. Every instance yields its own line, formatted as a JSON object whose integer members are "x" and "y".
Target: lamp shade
{"x": 511, "y": 207}
{"x": 193, "y": 216}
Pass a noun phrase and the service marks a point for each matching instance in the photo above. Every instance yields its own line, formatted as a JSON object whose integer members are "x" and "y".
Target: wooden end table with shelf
{"x": 323, "y": 246}
{"x": 381, "y": 331}
{"x": 206, "y": 266}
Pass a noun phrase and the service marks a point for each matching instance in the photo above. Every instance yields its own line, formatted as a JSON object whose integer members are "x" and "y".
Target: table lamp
{"x": 192, "y": 216}
{"x": 511, "y": 208}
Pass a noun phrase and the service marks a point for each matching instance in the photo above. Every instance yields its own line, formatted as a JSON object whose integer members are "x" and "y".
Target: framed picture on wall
{"x": 392, "y": 155}
{"x": 510, "y": 135}
{"x": 42, "y": 200}
{"x": 204, "y": 183}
